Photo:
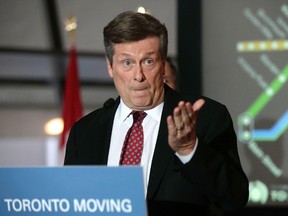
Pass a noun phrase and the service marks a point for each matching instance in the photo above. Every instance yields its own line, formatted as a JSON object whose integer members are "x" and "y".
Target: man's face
{"x": 169, "y": 77}
{"x": 137, "y": 71}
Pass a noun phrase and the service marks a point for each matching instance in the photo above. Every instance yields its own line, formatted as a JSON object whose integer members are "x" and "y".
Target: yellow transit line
{"x": 262, "y": 45}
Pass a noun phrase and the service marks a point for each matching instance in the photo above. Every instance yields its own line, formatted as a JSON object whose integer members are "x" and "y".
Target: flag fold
{"x": 71, "y": 104}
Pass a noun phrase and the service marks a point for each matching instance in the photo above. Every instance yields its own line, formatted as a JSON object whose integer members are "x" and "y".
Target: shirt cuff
{"x": 186, "y": 158}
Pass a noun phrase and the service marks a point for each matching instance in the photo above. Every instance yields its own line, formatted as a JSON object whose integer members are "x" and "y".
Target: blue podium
{"x": 72, "y": 190}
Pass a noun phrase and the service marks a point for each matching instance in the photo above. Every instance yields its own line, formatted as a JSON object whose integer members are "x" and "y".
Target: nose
{"x": 138, "y": 74}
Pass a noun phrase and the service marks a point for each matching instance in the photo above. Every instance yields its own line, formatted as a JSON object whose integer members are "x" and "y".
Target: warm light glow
{"x": 54, "y": 126}
{"x": 141, "y": 10}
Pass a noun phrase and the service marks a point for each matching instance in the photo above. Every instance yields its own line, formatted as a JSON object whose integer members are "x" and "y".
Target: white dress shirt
{"x": 122, "y": 122}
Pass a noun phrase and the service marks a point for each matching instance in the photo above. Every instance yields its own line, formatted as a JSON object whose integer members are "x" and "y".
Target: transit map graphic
{"x": 248, "y": 61}
{"x": 273, "y": 42}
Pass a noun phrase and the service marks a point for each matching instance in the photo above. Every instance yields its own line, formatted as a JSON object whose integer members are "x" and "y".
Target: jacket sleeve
{"x": 216, "y": 165}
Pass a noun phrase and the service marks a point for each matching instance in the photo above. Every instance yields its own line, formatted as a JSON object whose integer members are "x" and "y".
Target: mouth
{"x": 140, "y": 91}
{"x": 139, "y": 88}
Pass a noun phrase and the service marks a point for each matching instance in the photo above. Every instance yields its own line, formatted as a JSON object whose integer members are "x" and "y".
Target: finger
{"x": 186, "y": 109}
{"x": 198, "y": 104}
{"x": 170, "y": 123}
{"x": 177, "y": 116}
{"x": 189, "y": 110}
{"x": 193, "y": 109}
{"x": 196, "y": 108}
{"x": 182, "y": 107}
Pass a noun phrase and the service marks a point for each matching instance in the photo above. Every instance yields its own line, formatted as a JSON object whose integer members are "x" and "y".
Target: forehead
{"x": 147, "y": 46}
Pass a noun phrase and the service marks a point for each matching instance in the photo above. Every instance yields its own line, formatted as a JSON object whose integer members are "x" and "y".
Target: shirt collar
{"x": 154, "y": 113}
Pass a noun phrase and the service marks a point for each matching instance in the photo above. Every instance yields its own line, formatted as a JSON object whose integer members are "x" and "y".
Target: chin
{"x": 140, "y": 104}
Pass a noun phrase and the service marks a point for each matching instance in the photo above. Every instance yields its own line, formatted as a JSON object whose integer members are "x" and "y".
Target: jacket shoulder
{"x": 100, "y": 115}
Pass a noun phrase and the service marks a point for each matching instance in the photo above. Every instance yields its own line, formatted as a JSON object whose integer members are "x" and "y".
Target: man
{"x": 170, "y": 76}
{"x": 190, "y": 159}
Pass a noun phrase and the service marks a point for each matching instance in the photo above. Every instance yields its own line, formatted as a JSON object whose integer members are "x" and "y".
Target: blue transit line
{"x": 274, "y": 133}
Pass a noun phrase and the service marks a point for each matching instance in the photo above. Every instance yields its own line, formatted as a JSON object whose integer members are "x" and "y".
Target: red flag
{"x": 71, "y": 106}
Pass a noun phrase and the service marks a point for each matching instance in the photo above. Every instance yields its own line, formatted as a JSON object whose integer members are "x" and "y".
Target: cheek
{"x": 121, "y": 80}
{"x": 159, "y": 80}
{"x": 156, "y": 84}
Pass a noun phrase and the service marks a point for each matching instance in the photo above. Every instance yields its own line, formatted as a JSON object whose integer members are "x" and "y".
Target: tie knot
{"x": 138, "y": 116}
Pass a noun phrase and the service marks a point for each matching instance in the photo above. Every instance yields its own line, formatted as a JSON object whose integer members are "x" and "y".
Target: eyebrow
{"x": 145, "y": 54}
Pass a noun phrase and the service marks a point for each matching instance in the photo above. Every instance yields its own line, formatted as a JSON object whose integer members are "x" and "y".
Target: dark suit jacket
{"x": 212, "y": 181}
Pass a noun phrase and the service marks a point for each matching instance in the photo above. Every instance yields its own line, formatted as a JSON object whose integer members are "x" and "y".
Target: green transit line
{"x": 265, "y": 97}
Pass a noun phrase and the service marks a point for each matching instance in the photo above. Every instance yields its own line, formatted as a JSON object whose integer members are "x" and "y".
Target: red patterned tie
{"x": 133, "y": 144}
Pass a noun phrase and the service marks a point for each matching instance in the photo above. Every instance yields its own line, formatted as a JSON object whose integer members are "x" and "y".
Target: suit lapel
{"x": 163, "y": 154}
{"x": 105, "y": 123}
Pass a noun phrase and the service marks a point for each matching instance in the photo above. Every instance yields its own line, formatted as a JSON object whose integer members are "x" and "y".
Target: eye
{"x": 126, "y": 62}
{"x": 149, "y": 62}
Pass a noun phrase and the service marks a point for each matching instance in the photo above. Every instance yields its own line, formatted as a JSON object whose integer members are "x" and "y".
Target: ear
{"x": 109, "y": 67}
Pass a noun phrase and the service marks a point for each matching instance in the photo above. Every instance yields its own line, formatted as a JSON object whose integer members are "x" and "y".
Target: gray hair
{"x": 133, "y": 26}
